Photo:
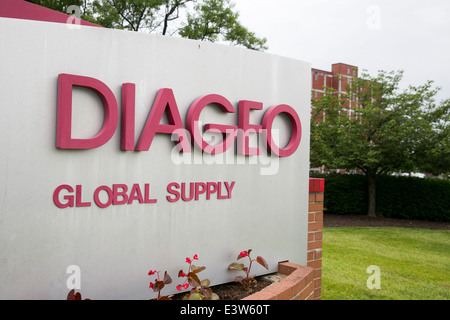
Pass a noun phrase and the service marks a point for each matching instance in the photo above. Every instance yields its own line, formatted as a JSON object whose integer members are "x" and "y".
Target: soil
{"x": 235, "y": 291}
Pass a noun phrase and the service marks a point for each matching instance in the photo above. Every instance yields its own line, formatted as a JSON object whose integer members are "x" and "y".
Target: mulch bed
{"x": 234, "y": 290}
{"x": 334, "y": 220}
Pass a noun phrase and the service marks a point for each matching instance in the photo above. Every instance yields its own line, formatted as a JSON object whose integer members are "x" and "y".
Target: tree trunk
{"x": 372, "y": 192}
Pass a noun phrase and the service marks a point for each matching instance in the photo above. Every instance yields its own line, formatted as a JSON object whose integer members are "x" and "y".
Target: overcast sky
{"x": 408, "y": 35}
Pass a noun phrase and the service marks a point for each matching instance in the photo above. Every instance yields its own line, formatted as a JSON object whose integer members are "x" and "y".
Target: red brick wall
{"x": 302, "y": 282}
{"x": 315, "y": 231}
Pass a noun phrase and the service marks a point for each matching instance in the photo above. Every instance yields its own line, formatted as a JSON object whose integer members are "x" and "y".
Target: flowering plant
{"x": 200, "y": 288}
{"x": 247, "y": 281}
{"x": 158, "y": 284}
{"x": 72, "y": 295}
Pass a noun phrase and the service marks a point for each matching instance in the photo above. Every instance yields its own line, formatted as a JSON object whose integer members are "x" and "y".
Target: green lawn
{"x": 413, "y": 263}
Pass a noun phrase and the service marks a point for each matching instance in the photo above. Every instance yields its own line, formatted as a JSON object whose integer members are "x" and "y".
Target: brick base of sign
{"x": 297, "y": 285}
{"x": 302, "y": 282}
{"x": 315, "y": 226}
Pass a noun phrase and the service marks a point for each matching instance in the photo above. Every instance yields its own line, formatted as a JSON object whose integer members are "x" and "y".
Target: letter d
{"x": 64, "y": 116}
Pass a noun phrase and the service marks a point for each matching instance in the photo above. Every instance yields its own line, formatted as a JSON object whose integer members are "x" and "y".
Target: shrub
{"x": 413, "y": 198}
{"x": 397, "y": 197}
{"x": 345, "y": 194}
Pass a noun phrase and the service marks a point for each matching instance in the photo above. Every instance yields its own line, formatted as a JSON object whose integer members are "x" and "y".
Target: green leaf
{"x": 214, "y": 296}
{"x": 195, "y": 296}
{"x": 205, "y": 283}
{"x": 236, "y": 266}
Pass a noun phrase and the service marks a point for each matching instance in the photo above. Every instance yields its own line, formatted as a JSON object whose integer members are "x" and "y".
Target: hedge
{"x": 397, "y": 197}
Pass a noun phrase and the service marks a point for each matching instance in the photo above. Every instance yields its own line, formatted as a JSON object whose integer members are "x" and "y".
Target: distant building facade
{"x": 338, "y": 78}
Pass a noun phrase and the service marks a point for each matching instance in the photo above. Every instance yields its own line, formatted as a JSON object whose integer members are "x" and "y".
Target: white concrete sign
{"x": 126, "y": 152}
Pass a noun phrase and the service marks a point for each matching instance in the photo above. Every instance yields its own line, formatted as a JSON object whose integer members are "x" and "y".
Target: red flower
{"x": 195, "y": 257}
{"x": 186, "y": 285}
{"x": 179, "y": 287}
{"x": 188, "y": 260}
{"x": 151, "y": 272}
{"x": 182, "y": 274}
{"x": 151, "y": 285}
{"x": 243, "y": 254}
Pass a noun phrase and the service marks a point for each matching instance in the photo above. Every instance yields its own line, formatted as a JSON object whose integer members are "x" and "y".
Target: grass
{"x": 414, "y": 263}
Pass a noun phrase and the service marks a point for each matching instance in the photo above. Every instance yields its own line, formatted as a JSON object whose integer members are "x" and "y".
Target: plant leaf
{"x": 206, "y": 292}
{"x": 71, "y": 294}
{"x": 196, "y": 269}
{"x": 214, "y": 296}
{"x": 262, "y": 262}
{"x": 205, "y": 283}
{"x": 158, "y": 286}
{"x": 239, "y": 279}
{"x": 167, "y": 278}
{"x": 193, "y": 279}
{"x": 236, "y": 266}
{"x": 195, "y": 296}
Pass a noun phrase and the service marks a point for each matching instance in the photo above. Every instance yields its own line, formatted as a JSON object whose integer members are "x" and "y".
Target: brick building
{"x": 339, "y": 76}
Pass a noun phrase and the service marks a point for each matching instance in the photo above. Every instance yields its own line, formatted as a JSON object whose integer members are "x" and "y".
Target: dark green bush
{"x": 413, "y": 198}
{"x": 345, "y": 194}
{"x": 397, "y": 197}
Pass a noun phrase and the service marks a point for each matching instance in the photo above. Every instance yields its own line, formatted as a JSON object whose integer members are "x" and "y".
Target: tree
{"x": 129, "y": 15}
{"x": 389, "y": 129}
{"x": 215, "y": 20}
{"x": 207, "y": 20}
{"x": 432, "y": 154}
